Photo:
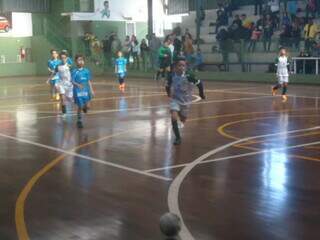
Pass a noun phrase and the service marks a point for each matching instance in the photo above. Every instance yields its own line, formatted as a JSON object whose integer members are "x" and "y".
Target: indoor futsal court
{"x": 159, "y": 120}
{"x": 247, "y": 168}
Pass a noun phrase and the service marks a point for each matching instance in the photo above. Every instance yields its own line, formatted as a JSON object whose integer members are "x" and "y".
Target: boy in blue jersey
{"x": 54, "y": 77}
{"x": 82, "y": 87}
{"x": 121, "y": 70}
{"x": 181, "y": 97}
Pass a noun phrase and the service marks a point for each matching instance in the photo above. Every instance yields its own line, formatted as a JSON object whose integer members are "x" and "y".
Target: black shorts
{"x": 164, "y": 64}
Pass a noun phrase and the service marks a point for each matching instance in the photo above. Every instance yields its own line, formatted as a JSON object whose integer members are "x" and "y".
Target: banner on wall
{"x": 115, "y": 10}
{"x": 15, "y": 24}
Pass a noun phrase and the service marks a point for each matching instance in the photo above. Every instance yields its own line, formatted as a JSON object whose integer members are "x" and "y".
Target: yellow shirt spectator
{"x": 310, "y": 31}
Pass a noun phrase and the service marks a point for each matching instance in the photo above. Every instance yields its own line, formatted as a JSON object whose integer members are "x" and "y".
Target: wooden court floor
{"x": 248, "y": 167}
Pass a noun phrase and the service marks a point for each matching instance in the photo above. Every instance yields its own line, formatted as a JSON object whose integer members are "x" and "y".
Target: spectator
{"x": 199, "y": 63}
{"x": 237, "y": 20}
{"x": 296, "y": 36}
{"x": 144, "y": 53}
{"x": 274, "y": 6}
{"x": 135, "y": 52}
{"x": 246, "y": 22}
{"x": 154, "y": 45}
{"x": 258, "y": 7}
{"x": 292, "y": 9}
{"x": 268, "y": 30}
{"x": 115, "y": 46}
{"x": 311, "y": 8}
{"x": 255, "y": 36}
{"x": 188, "y": 48}
{"x": 222, "y": 38}
{"x": 260, "y": 22}
{"x": 285, "y": 36}
{"x": 221, "y": 20}
{"x": 310, "y": 33}
{"x": 126, "y": 48}
{"x": 286, "y": 20}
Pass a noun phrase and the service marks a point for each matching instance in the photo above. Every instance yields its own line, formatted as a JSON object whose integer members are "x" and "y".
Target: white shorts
{"x": 181, "y": 109}
{"x": 283, "y": 79}
{"x": 65, "y": 89}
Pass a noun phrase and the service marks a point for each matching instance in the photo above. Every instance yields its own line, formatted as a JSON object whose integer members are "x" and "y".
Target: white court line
{"x": 96, "y": 160}
{"x": 266, "y": 94}
{"x": 234, "y": 156}
{"x": 173, "y": 195}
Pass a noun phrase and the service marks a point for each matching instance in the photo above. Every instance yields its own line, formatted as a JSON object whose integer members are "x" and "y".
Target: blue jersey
{"x": 52, "y": 65}
{"x": 69, "y": 61}
{"x": 121, "y": 64}
{"x": 81, "y": 76}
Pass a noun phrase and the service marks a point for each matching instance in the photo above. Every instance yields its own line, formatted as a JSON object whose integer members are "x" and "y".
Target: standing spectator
{"x": 310, "y": 33}
{"x": 126, "y": 48}
{"x": 154, "y": 45}
{"x": 311, "y": 8}
{"x": 135, "y": 52}
{"x": 285, "y": 36}
{"x": 255, "y": 36}
{"x": 220, "y": 20}
{"x": 292, "y": 9}
{"x": 144, "y": 53}
{"x": 237, "y": 21}
{"x": 286, "y": 20}
{"x": 296, "y": 36}
{"x": 274, "y": 6}
{"x": 258, "y": 7}
{"x": 268, "y": 29}
{"x": 115, "y": 47}
{"x": 199, "y": 60}
{"x": 188, "y": 48}
{"x": 222, "y": 38}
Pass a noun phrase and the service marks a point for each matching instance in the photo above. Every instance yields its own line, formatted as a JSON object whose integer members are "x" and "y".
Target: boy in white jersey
{"x": 64, "y": 86}
{"x": 282, "y": 64}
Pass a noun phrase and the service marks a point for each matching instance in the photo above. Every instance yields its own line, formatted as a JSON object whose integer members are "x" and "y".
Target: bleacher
{"x": 259, "y": 60}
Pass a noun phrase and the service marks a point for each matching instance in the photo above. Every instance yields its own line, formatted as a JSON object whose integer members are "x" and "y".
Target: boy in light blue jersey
{"x": 54, "y": 77}
{"x": 181, "y": 97}
{"x": 121, "y": 70}
{"x": 82, "y": 87}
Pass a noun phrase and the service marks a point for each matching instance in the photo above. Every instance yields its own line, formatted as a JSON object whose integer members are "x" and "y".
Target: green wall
{"x": 10, "y": 47}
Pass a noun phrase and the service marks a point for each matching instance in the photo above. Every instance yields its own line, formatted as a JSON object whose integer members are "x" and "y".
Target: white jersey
{"x": 282, "y": 64}
{"x": 64, "y": 73}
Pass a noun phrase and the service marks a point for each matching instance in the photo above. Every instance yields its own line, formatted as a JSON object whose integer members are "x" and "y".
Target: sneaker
{"x": 284, "y": 98}
{"x": 180, "y": 125}
{"x": 79, "y": 124}
{"x": 177, "y": 142}
{"x": 203, "y": 97}
{"x": 273, "y": 91}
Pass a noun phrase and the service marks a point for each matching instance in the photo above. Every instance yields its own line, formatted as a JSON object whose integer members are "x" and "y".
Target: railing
{"x": 304, "y": 60}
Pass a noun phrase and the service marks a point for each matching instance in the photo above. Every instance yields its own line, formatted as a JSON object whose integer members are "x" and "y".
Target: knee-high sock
{"x": 201, "y": 89}
{"x": 175, "y": 128}
{"x": 284, "y": 90}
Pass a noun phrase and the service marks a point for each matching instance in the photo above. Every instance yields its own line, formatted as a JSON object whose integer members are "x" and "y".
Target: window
{"x": 84, "y": 6}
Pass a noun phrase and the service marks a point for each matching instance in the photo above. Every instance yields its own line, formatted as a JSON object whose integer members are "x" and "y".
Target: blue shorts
{"x": 81, "y": 97}
{"x": 54, "y": 80}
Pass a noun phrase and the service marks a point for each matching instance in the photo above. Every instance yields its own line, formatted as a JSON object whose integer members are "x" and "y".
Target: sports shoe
{"x": 177, "y": 142}
{"x": 273, "y": 91}
{"x": 284, "y": 98}
{"x": 79, "y": 124}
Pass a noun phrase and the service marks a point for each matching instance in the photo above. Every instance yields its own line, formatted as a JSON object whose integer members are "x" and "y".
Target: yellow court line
{"x": 223, "y": 133}
{"x": 20, "y": 203}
